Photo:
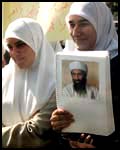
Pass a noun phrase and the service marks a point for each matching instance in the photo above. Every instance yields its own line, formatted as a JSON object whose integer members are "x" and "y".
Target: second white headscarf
{"x": 24, "y": 91}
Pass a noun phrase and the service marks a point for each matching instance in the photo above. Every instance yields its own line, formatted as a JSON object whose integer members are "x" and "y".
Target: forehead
{"x": 76, "y": 71}
{"x": 76, "y": 18}
{"x": 13, "y": 41}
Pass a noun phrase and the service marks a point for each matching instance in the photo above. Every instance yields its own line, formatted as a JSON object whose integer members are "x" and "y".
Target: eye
{"x": 20, "y": 44}
{"x": 84, "y": 23}
{"x": 72, "y": 25}
{"x": 80, "y": 74}
{"x": 73, "y": 74}
{"x": 9, "y": 47}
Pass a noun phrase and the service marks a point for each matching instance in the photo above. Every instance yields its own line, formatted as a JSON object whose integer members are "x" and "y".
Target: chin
{"x": 82, "y": 48}
{"x": 21, "y": 66}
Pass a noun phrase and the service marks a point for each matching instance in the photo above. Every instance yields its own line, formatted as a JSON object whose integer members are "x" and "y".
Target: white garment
{"x": 91, "y": 92}
{"x": 69, "y": 45}
{"x": 24, "y": 91}
{"x": 100, "y": 16}
{"x": 56, "y": 46}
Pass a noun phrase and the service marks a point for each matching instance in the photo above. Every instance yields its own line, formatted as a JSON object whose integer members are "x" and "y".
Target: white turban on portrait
{"x": 100, "y": 16}
{"x": 78, "y": 65}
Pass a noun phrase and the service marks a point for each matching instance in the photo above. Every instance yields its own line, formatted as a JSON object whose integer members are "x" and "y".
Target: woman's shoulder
{"x": 114, "y": 61}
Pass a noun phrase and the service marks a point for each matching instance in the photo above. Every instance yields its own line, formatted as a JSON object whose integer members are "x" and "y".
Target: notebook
{"x": 92, "y": 109}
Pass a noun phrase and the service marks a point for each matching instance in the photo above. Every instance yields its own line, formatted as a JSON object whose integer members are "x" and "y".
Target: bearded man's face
{"x": 79, "y": 80}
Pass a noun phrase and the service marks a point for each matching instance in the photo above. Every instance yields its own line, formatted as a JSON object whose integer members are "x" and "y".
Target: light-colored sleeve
{"x": 31, "y": 132}
{"x": 56, "y": 46}
{"x": 67, "y": 90}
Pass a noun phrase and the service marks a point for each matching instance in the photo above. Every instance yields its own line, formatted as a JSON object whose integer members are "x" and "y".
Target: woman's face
{"x": 82, "y": 32}
{"x": 20, "y": 52}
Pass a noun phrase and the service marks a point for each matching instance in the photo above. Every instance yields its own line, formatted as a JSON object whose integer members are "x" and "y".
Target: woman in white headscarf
{"x": 28, "y": 85}
{"x": 100, "y": 17}
{"x": 91, "y": 27}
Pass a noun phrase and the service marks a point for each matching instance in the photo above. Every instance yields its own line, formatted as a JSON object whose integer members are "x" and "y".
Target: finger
{"x": 91, "y": 142}
{"x": 73, "y": 144}
{"x": 58, "y": 110}
{"x": 82, "y": 137}
{"x": 59, "y": 125}
{"x": 76, "y": 144}
{"x": 61, "y": 117}
{"x": 87, "y": 139}
{"x": 61, "y": 112}
{"x": 89, "y": 145}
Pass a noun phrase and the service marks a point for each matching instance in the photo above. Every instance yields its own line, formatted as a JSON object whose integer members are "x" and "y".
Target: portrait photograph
{"x": 83, "y": 88}
{"x": 76, "y": 75}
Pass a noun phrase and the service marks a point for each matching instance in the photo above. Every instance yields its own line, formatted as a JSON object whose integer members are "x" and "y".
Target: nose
{"x": 76, "y": 76}
{"x": 14, "y": 49}
{"x": 76, "y": 30}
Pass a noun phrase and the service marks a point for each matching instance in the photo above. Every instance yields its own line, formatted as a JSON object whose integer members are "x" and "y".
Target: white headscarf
{"x": 24, "y": 91}
{"x": 100, "y": 16}
{"x": 78, "y": 65}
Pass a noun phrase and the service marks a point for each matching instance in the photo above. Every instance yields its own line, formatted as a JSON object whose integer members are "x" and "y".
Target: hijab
{"x": 25, "y": 91}
{"x": 100, "y": 16}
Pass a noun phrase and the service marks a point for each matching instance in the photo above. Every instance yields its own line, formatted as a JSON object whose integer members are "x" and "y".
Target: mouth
{"x": 76, "y": 81}
{"x": 19, "y": 60}
{"x": 79, "y": 39}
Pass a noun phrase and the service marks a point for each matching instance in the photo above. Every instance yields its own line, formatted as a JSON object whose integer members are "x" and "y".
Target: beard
{"x": 80, "y": 86}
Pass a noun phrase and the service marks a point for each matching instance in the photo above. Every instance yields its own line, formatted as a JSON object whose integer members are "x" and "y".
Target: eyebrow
{"x": 19, "y": 42}
{"x": 80, "y": 20}
{"x": 16, "y": 43}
